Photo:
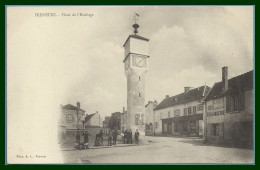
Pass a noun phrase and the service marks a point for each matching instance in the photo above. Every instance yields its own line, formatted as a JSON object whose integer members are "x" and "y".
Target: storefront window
{"x": 164, "y": 127}
{"x": 215, "y": 129}
{"x": 176, "y": 127}
{"x": 193, "y": 126}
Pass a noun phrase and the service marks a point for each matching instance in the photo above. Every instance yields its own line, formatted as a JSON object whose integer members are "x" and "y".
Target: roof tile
{"x": 191, "y": 95}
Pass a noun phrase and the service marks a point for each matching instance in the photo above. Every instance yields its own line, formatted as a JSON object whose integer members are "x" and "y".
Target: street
{"x": 162, "y": 150}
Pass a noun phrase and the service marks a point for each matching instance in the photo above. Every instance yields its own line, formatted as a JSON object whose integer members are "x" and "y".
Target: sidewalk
{"x": 99, "y": 147}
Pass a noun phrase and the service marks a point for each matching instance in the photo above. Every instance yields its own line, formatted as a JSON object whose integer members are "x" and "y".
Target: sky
{"x": 68, "y": 59}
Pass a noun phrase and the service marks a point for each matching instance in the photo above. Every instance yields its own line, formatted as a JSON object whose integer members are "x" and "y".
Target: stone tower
{"x": 136, "y": 65}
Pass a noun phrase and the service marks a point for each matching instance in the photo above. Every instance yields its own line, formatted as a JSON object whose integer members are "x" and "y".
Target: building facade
{"x": 230, "y": 109}
{"x": 149, "y": 117}
{"x": 71, "y": 117}
{"x": 106, "y": 124}
{"x": 181, "y": 114}
{"x": 93, "y": 120}
{"x": 123, "y": 120}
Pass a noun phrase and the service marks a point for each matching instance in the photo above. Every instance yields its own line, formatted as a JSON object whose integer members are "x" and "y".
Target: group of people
{"x": 128, "y": 137}
{"x": 112, "y": 135}
{"x": 83, "y": 145}
{"x": 112, "y": 138}
{"x": 99, "y": 138}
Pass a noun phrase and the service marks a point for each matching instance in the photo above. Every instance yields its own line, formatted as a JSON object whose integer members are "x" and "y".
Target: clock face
{"x": 127, "y": 63}
{"x": 139, "y": 61}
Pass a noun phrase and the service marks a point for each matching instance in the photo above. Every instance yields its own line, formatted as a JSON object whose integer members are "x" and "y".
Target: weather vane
{"x": 136, "y": 26}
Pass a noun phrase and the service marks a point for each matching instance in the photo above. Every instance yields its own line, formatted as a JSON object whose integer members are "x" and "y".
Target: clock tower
{"x": 136, "y": 65}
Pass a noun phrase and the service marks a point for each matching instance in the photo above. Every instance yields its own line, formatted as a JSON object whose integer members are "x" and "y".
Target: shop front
{"x": 191, "y": 125}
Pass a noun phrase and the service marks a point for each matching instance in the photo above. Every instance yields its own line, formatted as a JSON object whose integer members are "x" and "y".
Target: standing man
{"x": 101, "y": 136}
{"x": 137, "y": 137}
{"x": 77, "y": 137}
{"x": 77, "y": 140}
{"x": 114, "y": 137}
{"x": 125, "y": 136}
{"x": 130, "y": 137}
{"x": 86, "y": 135}
{"x": 110, "y": 134}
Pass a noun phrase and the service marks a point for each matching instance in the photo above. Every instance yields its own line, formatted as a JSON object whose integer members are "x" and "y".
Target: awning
{"x": 183, "y": 118}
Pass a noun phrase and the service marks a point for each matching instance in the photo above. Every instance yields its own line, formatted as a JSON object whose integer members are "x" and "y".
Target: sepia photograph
{"x": 103, "y": 85}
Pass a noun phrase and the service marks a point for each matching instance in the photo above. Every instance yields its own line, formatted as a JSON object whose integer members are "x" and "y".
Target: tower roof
{"x": 137, "y": 37}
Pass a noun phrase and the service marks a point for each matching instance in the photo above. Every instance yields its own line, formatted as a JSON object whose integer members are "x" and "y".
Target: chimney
{"x": 167, "y": 96}
{"x": 224, "y": 78}
{"x": 78, "y": 105}
{"x": 186, "y": 89}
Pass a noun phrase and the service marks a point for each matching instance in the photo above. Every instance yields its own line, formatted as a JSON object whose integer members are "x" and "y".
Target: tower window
{"x": 139, "y": 94}
{"x": 139, "y": 78}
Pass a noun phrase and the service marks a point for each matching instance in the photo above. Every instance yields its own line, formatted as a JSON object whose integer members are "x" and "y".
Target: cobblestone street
{"x": 166, "y": 150}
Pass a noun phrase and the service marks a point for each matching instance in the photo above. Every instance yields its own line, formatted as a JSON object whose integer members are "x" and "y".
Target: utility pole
{"x": 205, "y": 122}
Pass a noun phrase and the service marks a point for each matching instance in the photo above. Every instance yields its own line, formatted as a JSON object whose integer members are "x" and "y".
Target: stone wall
{"x": 235, "y": 127}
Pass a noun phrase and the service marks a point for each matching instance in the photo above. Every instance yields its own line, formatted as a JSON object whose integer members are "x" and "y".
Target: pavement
{"x": 161, "y": 150}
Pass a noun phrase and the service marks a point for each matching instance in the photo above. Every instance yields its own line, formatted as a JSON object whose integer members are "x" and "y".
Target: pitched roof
{"x": 191, "y": 95}
{"x": 150, "y": 102}
{"x": 71, "y": 107}
{"x": 88, "y": 117}
{"x": 242, "y": 82}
